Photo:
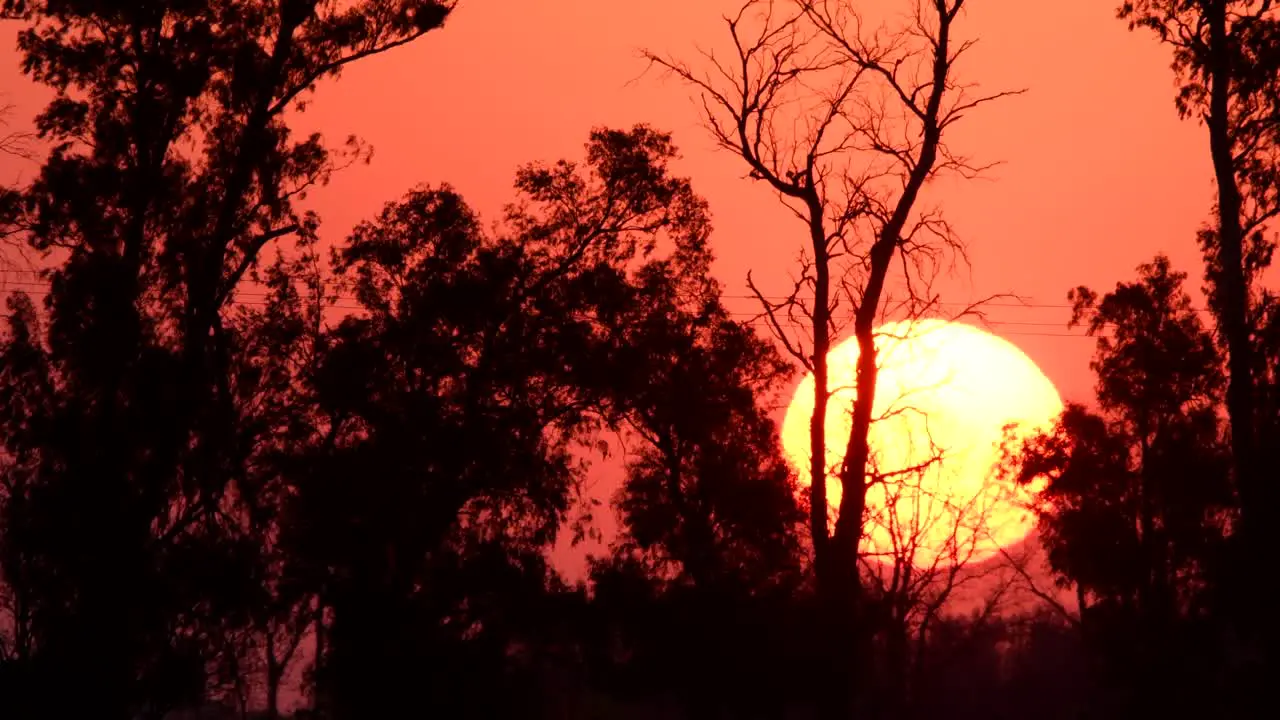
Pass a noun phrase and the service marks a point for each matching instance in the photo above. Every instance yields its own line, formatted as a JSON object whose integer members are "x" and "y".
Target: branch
{"x": 334, "y": 66}
{"x": 770, "y": 313}
{"x": 1042, "y": 595}
{"x": 954, "y": 114}
{"x": 246, "y": 261}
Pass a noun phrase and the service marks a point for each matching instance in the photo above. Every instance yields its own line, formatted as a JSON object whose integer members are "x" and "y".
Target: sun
{"x": 946, "y": 393}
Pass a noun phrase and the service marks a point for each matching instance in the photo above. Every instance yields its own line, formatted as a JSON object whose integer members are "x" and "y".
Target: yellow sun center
{"x": 945, "y": 394}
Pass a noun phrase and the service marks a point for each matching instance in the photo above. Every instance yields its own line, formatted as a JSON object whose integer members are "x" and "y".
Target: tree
{"x": 454, "y": 401}
{"x": 873, "y": 109}
{"x": 708, "y": 496}
{"x": 278, "y": 344}
{"x": 1226, "y": 55}
{"x": 1138, "y": 503}
{"x": 709, "y": 516}
{"x": 172, "y": 168}
{"x": 932, "y": 556}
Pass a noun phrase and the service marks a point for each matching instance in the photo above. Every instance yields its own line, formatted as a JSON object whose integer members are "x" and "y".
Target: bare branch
{"x": 1034, "y": 589}
{"x": 771, "y": 316}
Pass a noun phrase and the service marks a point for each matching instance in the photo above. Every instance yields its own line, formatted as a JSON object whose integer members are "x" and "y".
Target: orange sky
{"x": 1100, "y": 173}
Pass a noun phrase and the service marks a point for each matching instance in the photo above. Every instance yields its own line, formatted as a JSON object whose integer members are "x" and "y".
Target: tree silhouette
{"x": 708, "y": 510}
{"x": 454, "y": 402}
{"x": 172, "y": 167}
{"x": 931, "y": 557}
{"x": 708, "y": 492}
{"x": 1138, "y": 499}
{"x": 852, "y": 171}
{"x": 278, "y": 345}
{"x": 1225, "y": 55}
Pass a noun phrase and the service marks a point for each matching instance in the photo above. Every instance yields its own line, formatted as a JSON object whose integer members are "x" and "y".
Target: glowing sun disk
{"x": 945, "y": 393}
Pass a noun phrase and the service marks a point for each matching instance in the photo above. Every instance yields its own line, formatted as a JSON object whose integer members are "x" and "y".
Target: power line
{"x": 978, "y": 305}
{"x": 993, "y": 303}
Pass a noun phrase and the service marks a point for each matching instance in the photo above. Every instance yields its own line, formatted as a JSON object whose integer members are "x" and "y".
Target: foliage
{"x": 536, "y": 336}
{"x": 1226, "y": 56}
{"x": 708, "y": 509}
{"x": 130, "y": 529}
{"x": 1138, "y": 502}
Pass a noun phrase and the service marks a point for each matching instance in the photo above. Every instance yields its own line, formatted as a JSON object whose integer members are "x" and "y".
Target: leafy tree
{"x": 277, "y": 346}
{"x": 1226, "y": 54}
{"x": 1138, "y": 499}
{"x": 172, "y": 168}
{"x": 708, "y": 497}
{"x": 708, "y": 509}
{"x": 454, "y": 402}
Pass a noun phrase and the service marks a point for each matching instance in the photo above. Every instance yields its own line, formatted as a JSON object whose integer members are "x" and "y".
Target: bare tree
{"x": 845, "y": 122}
{"x": 927, "y": 546}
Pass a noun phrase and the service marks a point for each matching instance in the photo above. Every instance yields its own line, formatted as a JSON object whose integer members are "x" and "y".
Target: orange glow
{"x": 945, "y": 390}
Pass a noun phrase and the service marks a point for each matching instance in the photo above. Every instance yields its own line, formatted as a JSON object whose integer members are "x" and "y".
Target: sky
{"x": 1098, "y": 172}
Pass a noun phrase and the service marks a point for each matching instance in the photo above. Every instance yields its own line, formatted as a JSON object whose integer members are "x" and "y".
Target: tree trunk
{"x": 1231, "y": 285}
{"x": 821, "y": 391}
{"x": 1231, "y": 282}
{"x": 836, "y": 685}
{"x": 897, "y": 702}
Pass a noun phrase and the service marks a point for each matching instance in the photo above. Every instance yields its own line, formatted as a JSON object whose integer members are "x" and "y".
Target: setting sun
{"x": 946, "y": 391}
